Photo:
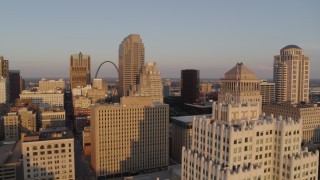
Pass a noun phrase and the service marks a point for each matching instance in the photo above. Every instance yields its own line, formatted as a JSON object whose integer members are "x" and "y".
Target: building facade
{"x": 4, "y": 67}
{"x": 11, "y": 126}
{"x": 80, "y": 68}
{"x": 268, "y": 92}
{"x": 45, "y": 98}
{"x": 49, "y": 85}
{"x": 53, "y": 118}
{"x": 190, "y": 86}
{"x": 131, "y": 61}
{"x": 291, "y": 74}
{"x": 206, "y": 87}
{"x": 229, "y": 148}
{"x": 150, "y": 83}
{"x": 129, "y": 137}
{"x": 15, "y": 85}
{"x": 48, "y": 155}
{"x": 4, "y": 90}
{"x": 308, "y": 113}
{"x": 28, "y": 120}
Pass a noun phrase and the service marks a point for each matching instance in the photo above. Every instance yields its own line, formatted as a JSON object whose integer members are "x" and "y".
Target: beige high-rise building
{"x": 4, "y": 90}
{"x": 44, "y": 98}
{"x": 268, "y": 93}
{"x": 150, "y": 83}
{"x": 79, "y": 70}
{"x": 11, "y": 126}
{"x": 308, "y": 113}
{"x": 233, "y": 148}
{"x": 132, "y": 136}
{"x": 48, "y": 155}
{"x": 291, "y": 74}
{"x": 240, "y": 85}
{"x": 47, "y": 85}
{"x": 4, "y": 67}
{"x": 28, "y": 120}
{"x": 131, "y": 62}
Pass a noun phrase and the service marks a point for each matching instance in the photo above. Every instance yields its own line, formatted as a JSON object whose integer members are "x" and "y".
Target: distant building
{"x": 4, "y": 90}
{"x": 291, "y": 74}
{"x": 166, "y": 90}
{"x": 52, "y": 118}
{"x": 232, "y": 147}
{"x": 190, "y": 86}
{"x": 140, "y": 132}
{"x": 11, "y": 127}
{"x": 28, "y": 120}
{"x": 150, "y": 83}
{"x": 96, "y": 95}
{"x": 81, "y": 91}
{"x": 47, "y": 85}
{"x": 45, "y": 98}
{"x": 79, "y": 70}
{"x": 268, "y": 93}
{"x": 97, "y": 83}
{"x": 81, "y": 102}
{"x": 308, "y": 114}
{"x": 4, "y": 67}
{"x": 48, "y": 155}
{"x": 15, "y": 84}
{"x": 206, "y": 87}
{"x": 131, "y": 61}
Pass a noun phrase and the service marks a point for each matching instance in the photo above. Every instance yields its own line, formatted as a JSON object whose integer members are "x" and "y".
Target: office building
{"x": 291, "y": 74}
{"x": 96, "y": 95}
{"x": 268, "y": 93}
{"x": 129, "y": 137}
{"x": 4, "y": 90}
{"x": 150, "y": 83}
{"x": 15, "y": 85}
{"x": 190, "y": 86}
{"x": 48, "y": 155}
{"x": 81, "y": 91}
{"x": 11, "y": 126}
{"x": 79, "y": 70}
{"x": 229, "y": 147}
{"x": 131, "y": 62}
{"x": 81, "y": 102}
{"x": 52, "y": 118}
{"x": 206, "y": 87}
{"x": 97, "y": 83}
{"x": 10, "y": 166}
{"x": 28, "y": 120}
{"x": 4, "y": 67}
{"x": 49, "y": 85}
{"x": 308, "y": 113}
{"x": 240, "y": 85}
{"x": 45, "y": 98}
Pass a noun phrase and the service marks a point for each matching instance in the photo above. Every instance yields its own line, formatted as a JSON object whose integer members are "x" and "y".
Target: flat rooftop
{"x": 49, "y": 134}
{"x": 10, "y": 153}
{"x": 189, "y": 119}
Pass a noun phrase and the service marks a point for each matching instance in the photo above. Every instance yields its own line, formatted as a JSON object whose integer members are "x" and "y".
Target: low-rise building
{"x": 47, "y": 85}
{"x": 44, "y": 99}
{"x": 11, "y": 126}
{"x": 52, "y": 118}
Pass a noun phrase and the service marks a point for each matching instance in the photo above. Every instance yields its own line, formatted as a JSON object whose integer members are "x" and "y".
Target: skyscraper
{"x": 291, "y": 73}
{"x": 4, "y": 67}
{"x": 4, "y": 90}
{"x": 130, "y": 137}
{"x": 150, "y": 83}
{"x": 131, "y": 62}
{"x": 190, "y": 85}
{"x": 240, "y": 85}
{"x": 79, "y": 70}
{"x": 15, "y": 85}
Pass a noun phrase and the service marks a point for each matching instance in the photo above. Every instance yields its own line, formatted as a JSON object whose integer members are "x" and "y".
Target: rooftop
{"x": 48, "y": 134}
{"x": 189, "y": 119}
{"x": 290, "y": 47}
{"x": 10, "y": 152}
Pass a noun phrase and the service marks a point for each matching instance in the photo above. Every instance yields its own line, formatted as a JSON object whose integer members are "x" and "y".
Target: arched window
{"x": 34, "y": 148}
{"x": 42, "y": 147}
{"x": 49, "y": 146}
{"x": 63, "y": 145}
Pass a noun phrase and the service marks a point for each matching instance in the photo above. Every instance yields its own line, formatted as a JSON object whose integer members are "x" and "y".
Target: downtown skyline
{"x": 38, "y": 38}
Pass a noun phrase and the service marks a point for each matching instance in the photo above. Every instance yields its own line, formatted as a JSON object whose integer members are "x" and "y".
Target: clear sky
{"x": 38, "y": 37}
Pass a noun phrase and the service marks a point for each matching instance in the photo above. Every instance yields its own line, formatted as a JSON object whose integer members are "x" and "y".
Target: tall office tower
{"x": 240, "y": 85}
{"x": 150, "y": 83}
{"x": 15, "y": 85}
{"x": 131, "y": 61}
{"x": 79, "y": 70}
{"x": 190, "y": 86}
{"x": 4, "y": 90}
{"x": 47, "y": 85}
{"x": 130, "y": 137}
{"x": 48, "y": 155}
{"x": 291, "y": 73}
{"x": 4, "y": 67}
{"x": 268, "y": 92}
{"x": 227, "y": 148}
{"x": 11, "y": 126}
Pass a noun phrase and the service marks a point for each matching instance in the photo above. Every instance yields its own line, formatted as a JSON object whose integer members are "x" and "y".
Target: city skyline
{"x": 38, "y": 40}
